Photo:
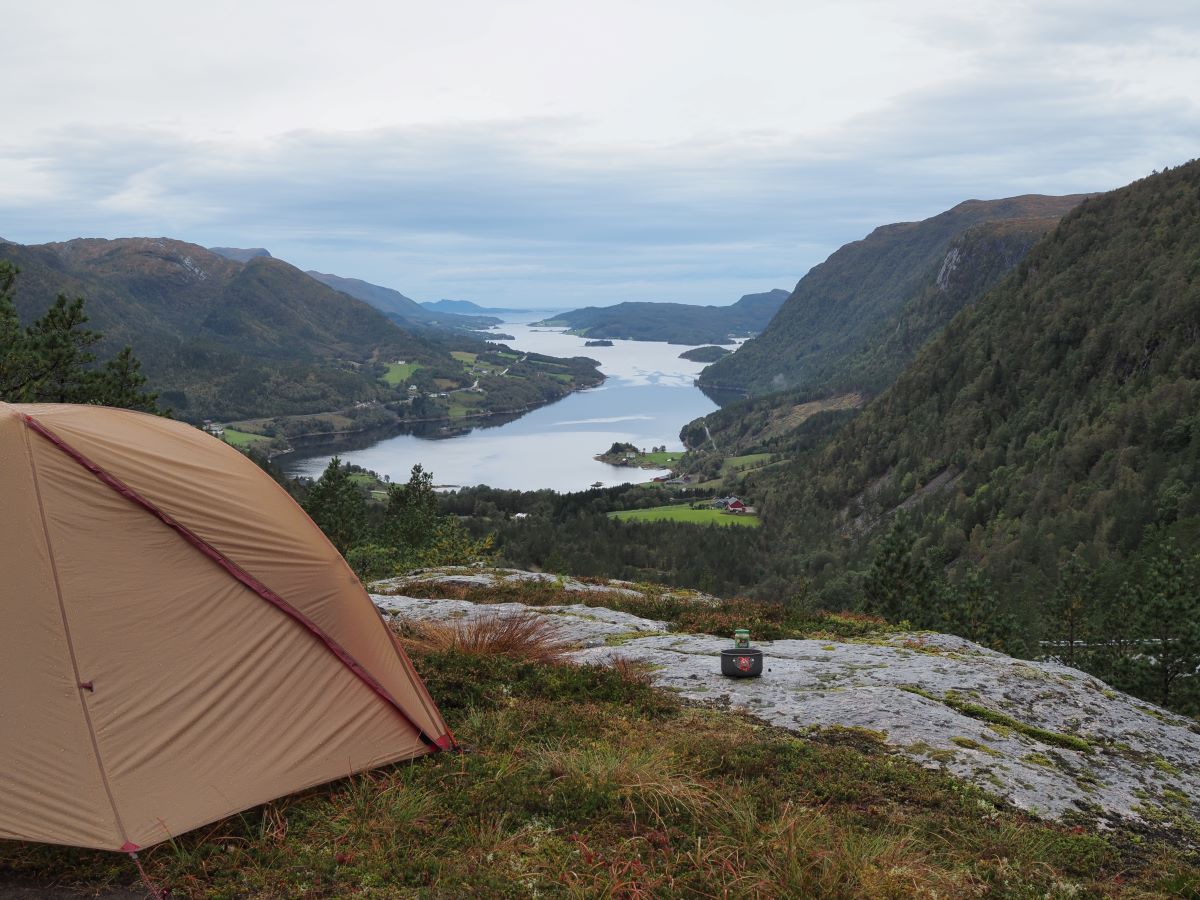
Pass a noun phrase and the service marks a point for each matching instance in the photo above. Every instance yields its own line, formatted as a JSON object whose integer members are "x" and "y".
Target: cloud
{"x": 539, "y": 210}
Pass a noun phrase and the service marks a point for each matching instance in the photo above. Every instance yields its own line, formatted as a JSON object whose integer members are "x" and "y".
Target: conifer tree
{"x": 338, "y": 507}
{"x": 52, "y": 361}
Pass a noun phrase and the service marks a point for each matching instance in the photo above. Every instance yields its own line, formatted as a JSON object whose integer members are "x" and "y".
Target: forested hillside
{"x": 675, "y": 323}
{"x": 1041, "y": 457}
{"x": 218, "y": 337}
{"x": 224, "y": 339}
{"x": 857, "y": 319}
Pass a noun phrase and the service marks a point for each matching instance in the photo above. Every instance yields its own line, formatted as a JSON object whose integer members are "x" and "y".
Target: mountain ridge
{"x": 843, "y": 307}
{"x": 675, "y": 323}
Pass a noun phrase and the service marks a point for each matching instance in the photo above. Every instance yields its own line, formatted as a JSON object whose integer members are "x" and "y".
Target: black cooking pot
{"x": 741, "y": 663}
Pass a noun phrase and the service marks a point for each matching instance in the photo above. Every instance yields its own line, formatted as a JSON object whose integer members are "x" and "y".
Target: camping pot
{"x": 737, "y": 663}
{"x": 741, "y": 661}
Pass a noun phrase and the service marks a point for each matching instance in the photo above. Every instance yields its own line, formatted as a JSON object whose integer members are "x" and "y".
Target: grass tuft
{"x": 527, "y": 637}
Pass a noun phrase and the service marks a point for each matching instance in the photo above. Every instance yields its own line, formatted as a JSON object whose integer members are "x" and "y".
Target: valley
{"x": 612, "y": 451}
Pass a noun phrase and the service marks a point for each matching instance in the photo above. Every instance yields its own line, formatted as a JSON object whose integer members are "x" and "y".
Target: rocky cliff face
{"x": 1047, "y": 738}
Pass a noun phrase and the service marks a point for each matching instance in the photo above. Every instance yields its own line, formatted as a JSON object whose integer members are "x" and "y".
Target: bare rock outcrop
{"x": 1049, "y": 739}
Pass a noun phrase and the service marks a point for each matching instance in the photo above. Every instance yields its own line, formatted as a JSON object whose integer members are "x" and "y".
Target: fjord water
{"x": 647, "y": 396}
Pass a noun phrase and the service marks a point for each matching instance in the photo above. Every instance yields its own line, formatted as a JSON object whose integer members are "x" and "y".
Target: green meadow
{"x": 681, "y": 512}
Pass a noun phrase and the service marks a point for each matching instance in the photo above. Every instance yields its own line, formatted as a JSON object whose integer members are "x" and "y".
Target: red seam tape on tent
{"x": 237, "y": 572}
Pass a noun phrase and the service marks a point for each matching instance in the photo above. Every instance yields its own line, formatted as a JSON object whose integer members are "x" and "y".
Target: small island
{"x": 603, "y": 342}
{"x": 707, "y": 354}
{"x": 624, "y": 454}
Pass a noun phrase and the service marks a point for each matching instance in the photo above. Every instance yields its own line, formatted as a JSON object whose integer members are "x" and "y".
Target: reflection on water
{"x": 647, "y": 397}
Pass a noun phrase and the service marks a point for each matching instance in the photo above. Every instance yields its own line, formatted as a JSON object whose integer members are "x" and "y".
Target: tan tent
{"x": 178, "y": 640}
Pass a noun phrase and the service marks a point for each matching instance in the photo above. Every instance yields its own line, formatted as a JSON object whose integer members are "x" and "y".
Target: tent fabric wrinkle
{"x": 147, "y": 688}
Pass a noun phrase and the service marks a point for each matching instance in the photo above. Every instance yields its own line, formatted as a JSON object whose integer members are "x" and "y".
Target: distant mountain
{"x": 241, "y": 255}
{"x": 383, "y": 299}
{"x": 399, "y": 307}
{"x": 675, "y": 323}
{"x": 464, "y": 307}
{"x": 221, "y": 338}
{"x": 857, "y": 319}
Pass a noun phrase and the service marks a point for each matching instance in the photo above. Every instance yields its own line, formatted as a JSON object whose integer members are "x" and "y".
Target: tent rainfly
{"x": 179, "y": 640}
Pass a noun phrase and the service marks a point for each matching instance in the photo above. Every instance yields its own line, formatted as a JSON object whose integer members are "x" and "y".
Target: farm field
{"x": 242, "y": 439}
{"x": 663, "y": 459}
{"x": 681, "y": 512}
{"x": 749, "y": 461}
{"x": 398, "y": 373}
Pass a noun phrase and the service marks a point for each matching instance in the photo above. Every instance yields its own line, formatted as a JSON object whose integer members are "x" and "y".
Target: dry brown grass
{"x": 633, "y": 672}
{"x": 522, "y": 636}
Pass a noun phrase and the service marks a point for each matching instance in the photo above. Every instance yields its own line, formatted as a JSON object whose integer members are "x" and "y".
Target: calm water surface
{"x": 647, "y": 397}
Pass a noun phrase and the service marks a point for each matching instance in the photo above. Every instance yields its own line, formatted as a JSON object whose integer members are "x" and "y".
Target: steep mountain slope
{"x": 855, "y": 321}
{"x": 1059, "y": 415}
{"x": 220, "y": 337}
{"x": 400, "y": 309}
{"x": 383, "y": 299}
{"x": 676, "y": 323}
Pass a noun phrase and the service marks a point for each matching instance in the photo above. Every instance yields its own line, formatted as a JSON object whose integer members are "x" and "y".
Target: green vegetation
{"x": 685, "y": 611}
{"x": 855, "y": 321}
{"x": 585, "y": 781}
{"x": 707, "y": 354}
{"x": 229, "y": 340}
{"x": 51, "y": 360}
{"x": 626, "y": 454}
{"x": 405, "y": 532}
{"x": 683, "y": 512}
{"x": 975, "y": 711}
{"x": 243, "y": 439}
{"x": 675, "y": 323}
{"x": 1054, "y": 420}
{"x": 246, "y": 339}
{"x": 744, "y": 462}
{"x": 771, "y": 423}
{"x": 398, "y": 373}
{"x": 664, "y": 459}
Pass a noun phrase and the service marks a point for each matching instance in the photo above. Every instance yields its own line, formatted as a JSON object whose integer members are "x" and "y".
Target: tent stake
{"x": 155, "y": 892}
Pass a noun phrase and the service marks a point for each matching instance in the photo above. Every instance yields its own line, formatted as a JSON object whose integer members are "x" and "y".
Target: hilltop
{"x": 675, "y": 323}
{"x": 225, "y": 339}
{"x": 857, "y": 319}
{"x": 401, "y": 309}
{"x": 242, "y": 254}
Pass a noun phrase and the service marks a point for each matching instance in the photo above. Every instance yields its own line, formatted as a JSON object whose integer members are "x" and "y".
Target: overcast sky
{"x": 569, "y": 153}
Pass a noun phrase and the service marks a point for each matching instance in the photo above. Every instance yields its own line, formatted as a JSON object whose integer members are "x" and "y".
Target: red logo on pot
{"x": 744, "y": 663}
